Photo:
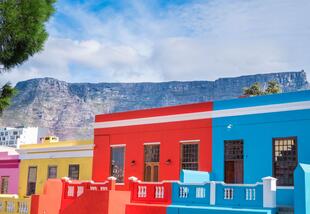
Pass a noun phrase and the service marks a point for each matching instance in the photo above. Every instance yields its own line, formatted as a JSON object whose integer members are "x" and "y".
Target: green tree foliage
{"x": 22, "y": 34}
{"x": 6, "y": 93}
{"x": 273, "y": 87}
{"x": 253, "y": 90}
{"x": 256, "y": 89}
{"x": 22, "y": 29}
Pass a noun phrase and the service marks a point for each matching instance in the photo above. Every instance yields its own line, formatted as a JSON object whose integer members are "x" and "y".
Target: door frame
{"x": 153, "y": 164}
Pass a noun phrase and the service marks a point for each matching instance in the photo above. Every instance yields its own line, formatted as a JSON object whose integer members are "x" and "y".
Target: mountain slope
{"x": 68, "y": 109}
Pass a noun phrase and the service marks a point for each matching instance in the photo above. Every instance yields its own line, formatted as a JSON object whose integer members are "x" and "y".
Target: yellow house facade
{"x": 53, "y": 159}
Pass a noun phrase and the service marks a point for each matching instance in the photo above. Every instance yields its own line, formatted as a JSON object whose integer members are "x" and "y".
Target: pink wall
{"x": 9, "y": 166}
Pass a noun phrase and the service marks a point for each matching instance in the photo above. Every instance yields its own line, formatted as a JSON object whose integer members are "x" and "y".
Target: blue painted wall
{"x": 257, "y": 132}
{"x": 262, "y": 100}
{"x": 239, "y": 199}
{"x": 215, "y": 210}
{"x": 285, "y": 197}
{"x": 191, "y": 197}
{"x": 302, "y": 189}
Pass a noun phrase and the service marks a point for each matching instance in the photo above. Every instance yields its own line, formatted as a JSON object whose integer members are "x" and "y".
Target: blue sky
{"x": 164, "y": 40}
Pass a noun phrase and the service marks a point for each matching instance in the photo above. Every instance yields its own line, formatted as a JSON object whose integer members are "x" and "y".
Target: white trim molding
{"x": 207, "y": 114}
{"x": 56, "y": 152}
{"x": 55, "y": 149}
{"x": 118, "y": 145}
{"x": 69, "y": 154}
{"x": 152, "y": 143}
{"x": 189, "y": 141}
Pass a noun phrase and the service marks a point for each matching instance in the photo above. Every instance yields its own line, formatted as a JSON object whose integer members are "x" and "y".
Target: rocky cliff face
{"x": 68, "y": 109}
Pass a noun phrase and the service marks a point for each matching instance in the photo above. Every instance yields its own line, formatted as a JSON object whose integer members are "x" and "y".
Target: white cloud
{"x": 196, "y": 41}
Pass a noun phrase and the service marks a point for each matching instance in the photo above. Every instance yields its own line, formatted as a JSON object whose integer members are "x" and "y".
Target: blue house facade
{"x": 261, "y": 136}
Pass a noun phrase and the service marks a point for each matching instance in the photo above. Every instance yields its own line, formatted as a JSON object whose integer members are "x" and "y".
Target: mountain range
{"x": 68, "y": 109}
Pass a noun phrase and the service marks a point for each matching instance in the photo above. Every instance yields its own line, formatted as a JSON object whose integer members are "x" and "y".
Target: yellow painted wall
{"x": 85, "y": 172}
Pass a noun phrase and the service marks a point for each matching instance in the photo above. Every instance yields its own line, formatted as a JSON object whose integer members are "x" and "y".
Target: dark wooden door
{"x": 151, "y": 162}
{"x": 233, "y": 168}
{"x": 151, "y": 171}
{"x": 229, "y": 172}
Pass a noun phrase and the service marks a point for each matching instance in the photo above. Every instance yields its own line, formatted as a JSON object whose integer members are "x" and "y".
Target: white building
{"x": 13, "y": 137}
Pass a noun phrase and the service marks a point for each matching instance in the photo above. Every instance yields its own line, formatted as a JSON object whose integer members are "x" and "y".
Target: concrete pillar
{"x": 212, "y": 193}
{"x": 112, "y": 182}
{"x": 269, "y": 192}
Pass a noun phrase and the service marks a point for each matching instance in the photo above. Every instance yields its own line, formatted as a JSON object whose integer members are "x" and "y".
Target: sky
{"x": 168, "y": 40}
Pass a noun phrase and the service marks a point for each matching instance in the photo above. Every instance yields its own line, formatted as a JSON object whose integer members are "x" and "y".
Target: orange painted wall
{"x": 50, "y": 201}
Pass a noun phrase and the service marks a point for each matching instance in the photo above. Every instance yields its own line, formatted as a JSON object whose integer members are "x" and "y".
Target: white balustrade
{"x": 23, "y": 207}
{"x": 103, "y": 188}
{"x": 141, "y": 191}
{"x": 70, "y": 192}
{"x": 250, "y": 194}
{"x": 159, "y": 191}
{"x": 10, "y": 207}
{"x": 93, "y": 188}
{"x": 228, "y": 193}
{"x": 183, "y": 192}
{"x": 80, "y": 190}
{"x": 200, "y": 192}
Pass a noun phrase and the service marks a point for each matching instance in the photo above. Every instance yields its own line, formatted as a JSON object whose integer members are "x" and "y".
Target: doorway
{"x": 234, "y": 162}
{"x": 151, "y": 162}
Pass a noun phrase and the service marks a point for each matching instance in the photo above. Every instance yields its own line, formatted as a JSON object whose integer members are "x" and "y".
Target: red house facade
{"x": 153, "y": 144}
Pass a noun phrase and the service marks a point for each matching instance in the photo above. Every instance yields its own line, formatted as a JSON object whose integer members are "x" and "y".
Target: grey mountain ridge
{"x": 68, "y": 109}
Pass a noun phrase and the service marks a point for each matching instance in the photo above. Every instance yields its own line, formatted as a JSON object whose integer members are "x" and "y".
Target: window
{"x": 4, "y": 184}
{"x": 74, "y": 171}
{"x": 151, "y": 162}
{"x": 117, "y": 163}
{"x": 189, "y": 156}
{"x": 284, "y": 160}
{"x": 52, "y": 172}
{"x": 32, "y": 180}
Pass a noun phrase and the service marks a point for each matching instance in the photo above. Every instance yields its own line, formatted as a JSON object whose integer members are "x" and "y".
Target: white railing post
{"x": 80, "y": 190}
{"x": 269, "y": 192}
{"x": 212, "y": 193}
{"x": 183, "y": 192}
{"x": 159, "y": 192}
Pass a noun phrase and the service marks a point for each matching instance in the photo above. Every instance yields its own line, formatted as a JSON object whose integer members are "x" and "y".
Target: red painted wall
{"x": 145, "y": 208}
{"x": 169, "y": 135}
